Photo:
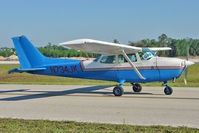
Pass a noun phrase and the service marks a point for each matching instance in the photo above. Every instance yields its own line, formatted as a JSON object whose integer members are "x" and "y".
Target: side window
{"x": 108, "y": 59}
{"x": 121, "y": 59}
{"x": 132, "y": 57}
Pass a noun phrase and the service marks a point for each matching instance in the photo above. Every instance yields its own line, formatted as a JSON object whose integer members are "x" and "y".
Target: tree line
{"x": 180, "y": 47}
{"x": 6, "y": 52}
{"x": 51, "y": 50}
{"x": 59, "y": 51}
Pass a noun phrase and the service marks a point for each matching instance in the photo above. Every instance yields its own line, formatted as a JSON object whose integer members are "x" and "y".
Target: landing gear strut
{"x": 167, "y": 90}
{"x": 136, "y": 87}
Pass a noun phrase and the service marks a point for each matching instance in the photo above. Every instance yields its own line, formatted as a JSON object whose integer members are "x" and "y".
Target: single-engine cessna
{"x": 119, "y": 62}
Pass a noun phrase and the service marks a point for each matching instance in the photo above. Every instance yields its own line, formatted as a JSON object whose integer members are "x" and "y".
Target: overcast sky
{"x": 55, "y": 21}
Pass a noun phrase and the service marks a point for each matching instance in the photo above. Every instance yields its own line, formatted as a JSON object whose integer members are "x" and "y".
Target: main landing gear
{"x": 119, "y": 91}
{"x": 136, "y": 87}
{"x": 167, "y": 90}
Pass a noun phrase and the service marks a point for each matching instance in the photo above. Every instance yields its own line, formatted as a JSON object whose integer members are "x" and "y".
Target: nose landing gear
{"x": 167, "y": 90}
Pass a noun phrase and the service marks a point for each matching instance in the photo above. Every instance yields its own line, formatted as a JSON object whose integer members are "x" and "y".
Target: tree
{"x": 163, "y": 38}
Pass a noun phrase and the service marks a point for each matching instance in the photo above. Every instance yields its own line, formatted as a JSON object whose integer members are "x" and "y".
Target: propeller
{"x": 186, "y": 67}
{"x": 185, "y": 76}
{"x": 187, "y": 63}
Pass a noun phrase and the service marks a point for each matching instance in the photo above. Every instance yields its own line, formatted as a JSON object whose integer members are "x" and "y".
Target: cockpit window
{"x": 146, "y": 54}
{"x": 132, "y": 57}
{"x": 108, "y": 59}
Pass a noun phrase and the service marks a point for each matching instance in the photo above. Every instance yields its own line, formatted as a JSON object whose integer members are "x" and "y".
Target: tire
{"x": 137, "y": 87}
{"x": 168, "y": 90}
{"x": 118, "y": 91}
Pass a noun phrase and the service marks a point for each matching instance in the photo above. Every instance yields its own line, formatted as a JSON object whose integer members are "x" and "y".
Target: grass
{"x": 25, "y": 78}
{"x": 45, "y": 126}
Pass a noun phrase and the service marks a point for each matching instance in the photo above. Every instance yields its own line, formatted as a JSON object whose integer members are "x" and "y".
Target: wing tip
{"x": 160, "y": 48}
{"x": 77, "y": 41}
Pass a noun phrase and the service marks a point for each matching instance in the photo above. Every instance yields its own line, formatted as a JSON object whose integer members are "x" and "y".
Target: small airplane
{"x": 120, "y": 63}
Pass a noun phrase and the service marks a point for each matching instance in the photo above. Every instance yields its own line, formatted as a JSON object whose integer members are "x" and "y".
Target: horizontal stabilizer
{"x": 25, "y": 70}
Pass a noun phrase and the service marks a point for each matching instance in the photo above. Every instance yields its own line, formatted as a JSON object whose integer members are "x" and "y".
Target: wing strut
{"x": 131, "y": 63}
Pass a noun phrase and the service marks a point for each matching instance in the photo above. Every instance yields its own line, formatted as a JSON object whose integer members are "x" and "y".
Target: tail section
{"x": 29, "y": 56}
{"x": 31, "y": 60}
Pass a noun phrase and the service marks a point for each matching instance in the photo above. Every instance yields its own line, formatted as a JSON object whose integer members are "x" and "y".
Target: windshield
{"x": 146, "y": 54}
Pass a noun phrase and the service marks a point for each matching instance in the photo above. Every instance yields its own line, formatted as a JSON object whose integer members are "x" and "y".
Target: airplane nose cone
{"x": 189, "y": 63}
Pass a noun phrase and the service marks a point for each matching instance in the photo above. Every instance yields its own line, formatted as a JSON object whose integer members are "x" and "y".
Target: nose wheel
{"x": 136, "y": 87}
{"x": 167, "y": 90}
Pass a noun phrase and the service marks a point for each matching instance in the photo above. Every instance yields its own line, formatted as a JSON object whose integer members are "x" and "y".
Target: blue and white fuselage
{"x": 115, "y": 67}
{"x": 154, "y": 69}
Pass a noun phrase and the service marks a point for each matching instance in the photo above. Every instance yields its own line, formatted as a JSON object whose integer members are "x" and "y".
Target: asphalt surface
{"x": 97, "y": 104}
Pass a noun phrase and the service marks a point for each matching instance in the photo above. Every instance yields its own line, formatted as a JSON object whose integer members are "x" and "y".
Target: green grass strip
{"x": 45, "y": 126}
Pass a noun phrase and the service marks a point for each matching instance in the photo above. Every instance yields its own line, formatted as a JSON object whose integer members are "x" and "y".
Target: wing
{"x": 106, "y": 48}
{"x": 101, "y": 47}
{"x": 154, "y": 49}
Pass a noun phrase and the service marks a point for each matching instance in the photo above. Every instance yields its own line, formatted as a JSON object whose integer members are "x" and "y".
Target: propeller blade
{"x": 185, "y": 77}
{"x": 188, "y": 63}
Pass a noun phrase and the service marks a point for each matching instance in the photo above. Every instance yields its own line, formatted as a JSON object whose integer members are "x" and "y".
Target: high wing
{"x": 154, "y": 49}
{"x": 102, "y": 47}
{"x": 107, "y": 48}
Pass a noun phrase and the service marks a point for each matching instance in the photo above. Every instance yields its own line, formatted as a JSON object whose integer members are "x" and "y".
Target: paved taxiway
{"x": 97, "y": 104}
